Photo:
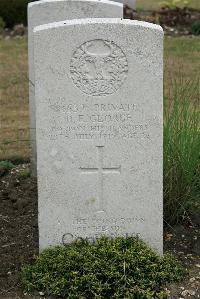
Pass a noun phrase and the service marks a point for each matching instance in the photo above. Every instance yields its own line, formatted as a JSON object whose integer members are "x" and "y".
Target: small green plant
{"x": 2, "y": 24}
{"x": 25, "y": 173}
{"x": 7, "y": 165}
{"x": 107, "y": 268}
{"x": 140, "y": 9}
{"x": 173, "y": 4}
{"x": 196, "y": 28}
{"x": 181, "y": 151}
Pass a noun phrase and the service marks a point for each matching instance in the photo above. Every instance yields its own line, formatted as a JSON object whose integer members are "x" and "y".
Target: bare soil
{"x": 19, "y": 228}
{"x": 19, "y": 238}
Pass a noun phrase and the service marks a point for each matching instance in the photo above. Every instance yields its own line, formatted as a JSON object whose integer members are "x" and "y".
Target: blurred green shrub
{"x": 196, "y": 28}
{"x": 173, "y": 4}
{"x": 14, "y": 11}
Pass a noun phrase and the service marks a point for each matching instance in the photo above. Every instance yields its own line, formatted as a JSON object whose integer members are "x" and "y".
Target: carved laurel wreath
{"x": 98, "y": 67}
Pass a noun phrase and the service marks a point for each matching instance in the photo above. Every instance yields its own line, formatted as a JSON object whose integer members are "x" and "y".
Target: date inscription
{"x": 96, "y": 121}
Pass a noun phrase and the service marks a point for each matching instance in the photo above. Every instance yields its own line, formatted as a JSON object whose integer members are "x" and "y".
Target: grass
{"x": 13, "y": 99}
{"x": 181, "y": 62}
{"x": 181, "y": 128}
{"x": 107, "y": 268}
{"x": 181, "y": 152}
{"x": 155, "y": 4}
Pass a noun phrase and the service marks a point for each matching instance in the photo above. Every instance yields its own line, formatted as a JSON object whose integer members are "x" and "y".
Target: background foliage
{"x": 14, "y": 11}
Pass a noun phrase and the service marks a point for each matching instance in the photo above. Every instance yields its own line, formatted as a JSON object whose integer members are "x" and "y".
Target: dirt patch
{"x": 19, "y": 238}
{"x": 19, "y": 229}
{"x": 183, "y": 241}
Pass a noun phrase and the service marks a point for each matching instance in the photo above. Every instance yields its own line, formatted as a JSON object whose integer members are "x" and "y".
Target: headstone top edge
{"x": 108, "y": 21}
{"x": 110, "y": 2}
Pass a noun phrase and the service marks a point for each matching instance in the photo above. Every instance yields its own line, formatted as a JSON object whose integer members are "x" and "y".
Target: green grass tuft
{"x": 107, "y": 268}
{"x": 182, "y": 152}
{"x": 25, "y": 173}
{"x": 7, "y": 165}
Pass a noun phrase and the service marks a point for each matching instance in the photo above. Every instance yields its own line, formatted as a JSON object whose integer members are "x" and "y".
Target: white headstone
{"x": 99, "y": 93}
{"x": 48, "y": 11}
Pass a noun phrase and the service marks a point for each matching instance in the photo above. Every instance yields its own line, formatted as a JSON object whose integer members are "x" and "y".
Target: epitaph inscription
{"x": 99, "y": 67}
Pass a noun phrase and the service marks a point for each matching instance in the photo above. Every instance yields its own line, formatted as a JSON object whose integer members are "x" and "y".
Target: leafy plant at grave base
{"x": 25, "y": 173}
{"x": 7, "y": 165}
{"x": 107, "y": 268}
{"x": 181, "y": 151}
{"x": 196, "y": 28}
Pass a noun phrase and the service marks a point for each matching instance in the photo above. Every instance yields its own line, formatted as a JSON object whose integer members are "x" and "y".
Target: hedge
{"x": 14, "y": 11}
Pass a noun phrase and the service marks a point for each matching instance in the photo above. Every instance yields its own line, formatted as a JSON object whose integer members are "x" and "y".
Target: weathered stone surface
{"x": 48, "y": 11}
{"x": 99, "y": 129}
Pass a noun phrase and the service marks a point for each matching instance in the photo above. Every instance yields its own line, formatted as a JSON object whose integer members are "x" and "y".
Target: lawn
{"x": 13, "y": 99}
{"x": 181, "y": 63}
{"x": 155, "y": 4}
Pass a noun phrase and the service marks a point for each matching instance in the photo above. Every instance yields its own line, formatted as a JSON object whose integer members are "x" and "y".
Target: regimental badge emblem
{"x": 98, "y": 67}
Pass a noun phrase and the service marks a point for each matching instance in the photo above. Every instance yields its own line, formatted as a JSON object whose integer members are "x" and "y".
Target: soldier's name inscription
{"x": 96, "y": 121}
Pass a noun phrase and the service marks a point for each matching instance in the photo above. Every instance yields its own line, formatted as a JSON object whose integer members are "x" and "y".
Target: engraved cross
{"x": 100, "y": 170}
